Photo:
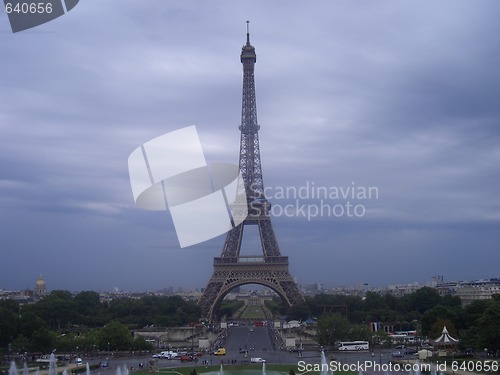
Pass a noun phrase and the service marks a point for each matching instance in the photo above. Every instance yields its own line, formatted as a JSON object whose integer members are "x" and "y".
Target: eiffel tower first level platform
{"x": 269, "y": 267}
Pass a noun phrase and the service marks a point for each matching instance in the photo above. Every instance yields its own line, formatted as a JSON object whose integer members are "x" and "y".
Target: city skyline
{"x": 398, "y": 98}
{"x": 431, "y": 282}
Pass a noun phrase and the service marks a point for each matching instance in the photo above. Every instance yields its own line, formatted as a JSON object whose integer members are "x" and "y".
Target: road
{"x": 246, "y": 342}
{"x": 258, "y": 343}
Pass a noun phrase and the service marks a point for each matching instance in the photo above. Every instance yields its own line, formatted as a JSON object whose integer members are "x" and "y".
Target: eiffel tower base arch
{"x": 271, "y": 272}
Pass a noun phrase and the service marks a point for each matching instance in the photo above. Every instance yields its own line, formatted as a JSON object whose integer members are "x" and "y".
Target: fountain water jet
{"x": 221, "y": 371}
{"x": 417, "y": 368}
{"x": 263, "y": 368}
{"x": 324, "y": 365}
{"x": 13, "y": 369}
{"x": 26, "y": 371}
{"x": 122, "y": 371}
{"x": 52, "y": 365}
{"x": 88, "y": 369}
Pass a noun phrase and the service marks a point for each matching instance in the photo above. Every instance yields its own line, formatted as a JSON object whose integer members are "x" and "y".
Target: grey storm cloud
{"x": 403, "y": 97}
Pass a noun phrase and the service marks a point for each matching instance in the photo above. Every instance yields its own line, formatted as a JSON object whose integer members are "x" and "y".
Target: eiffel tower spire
{"x": 250, "y": 165}
{"x": 231, "y": 269}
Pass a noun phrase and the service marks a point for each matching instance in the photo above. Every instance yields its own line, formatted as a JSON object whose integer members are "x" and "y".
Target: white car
{"x": 257, "y": 360}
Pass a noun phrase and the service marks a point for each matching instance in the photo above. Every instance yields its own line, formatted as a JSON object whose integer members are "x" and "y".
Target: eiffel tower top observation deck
{"x": 231, "y": 269}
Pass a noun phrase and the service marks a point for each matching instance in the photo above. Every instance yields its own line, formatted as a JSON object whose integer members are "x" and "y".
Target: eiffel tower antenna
{"x": 231, "y": 269}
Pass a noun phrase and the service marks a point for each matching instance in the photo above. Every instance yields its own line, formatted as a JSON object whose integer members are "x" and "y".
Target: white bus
{"x": 353, "y": 345}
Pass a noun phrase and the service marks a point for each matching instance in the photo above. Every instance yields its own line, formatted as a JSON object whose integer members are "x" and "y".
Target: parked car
{"x": 186, "y": 358}
{"x": 168, "y": 354}
{"x": 396, "y": 355}
{"x": 220, "y": 351}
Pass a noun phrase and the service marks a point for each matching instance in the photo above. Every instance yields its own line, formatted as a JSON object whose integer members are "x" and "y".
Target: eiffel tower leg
{"x": 271, "y": 249}
{"x": 231, "y": 249}
{"x": 208, "y": 300}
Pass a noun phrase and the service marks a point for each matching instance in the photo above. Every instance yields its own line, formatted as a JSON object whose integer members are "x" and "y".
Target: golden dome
{"x": 40, "y": 281}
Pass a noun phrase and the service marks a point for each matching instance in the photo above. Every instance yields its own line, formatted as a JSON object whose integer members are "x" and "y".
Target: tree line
{"x": 65, "y": 321}
{"x": 347, "y": 317}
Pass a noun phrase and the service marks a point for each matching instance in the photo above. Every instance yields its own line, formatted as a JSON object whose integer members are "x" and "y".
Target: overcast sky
{"x": 400, "y": 96}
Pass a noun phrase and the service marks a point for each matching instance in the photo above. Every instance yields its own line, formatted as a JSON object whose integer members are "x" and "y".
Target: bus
{"x": 353, "y": 345}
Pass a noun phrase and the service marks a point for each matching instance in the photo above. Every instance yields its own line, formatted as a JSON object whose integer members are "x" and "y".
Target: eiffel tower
{"x": 231, "y": 269}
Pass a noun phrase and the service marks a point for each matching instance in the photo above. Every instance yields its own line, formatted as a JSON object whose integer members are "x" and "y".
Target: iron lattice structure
{"x": 230, "y": 269}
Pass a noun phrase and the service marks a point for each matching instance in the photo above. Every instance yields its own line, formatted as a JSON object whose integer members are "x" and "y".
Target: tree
{"x": 229, "y": 308}
{"x": 473, "y": 311}
{"x": 21, "y": 344}
{"x": 374, "y": 301}
{"x": 10, "y": 304}
{"x": 90, "y": 309}
{"x": 489, "y": 326}
{"x": 332, "y": 328}
{"x": 8, "y": 326}
{"x": 140, "y": 343}
{"x": 29, "y": 323}
{"x": 117, "y": 335}
{"x": 57, "y": 308}
{"x": 43, "y": 341}
{"x": 435, "y": 314}
{"x": 424, "y": 299}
